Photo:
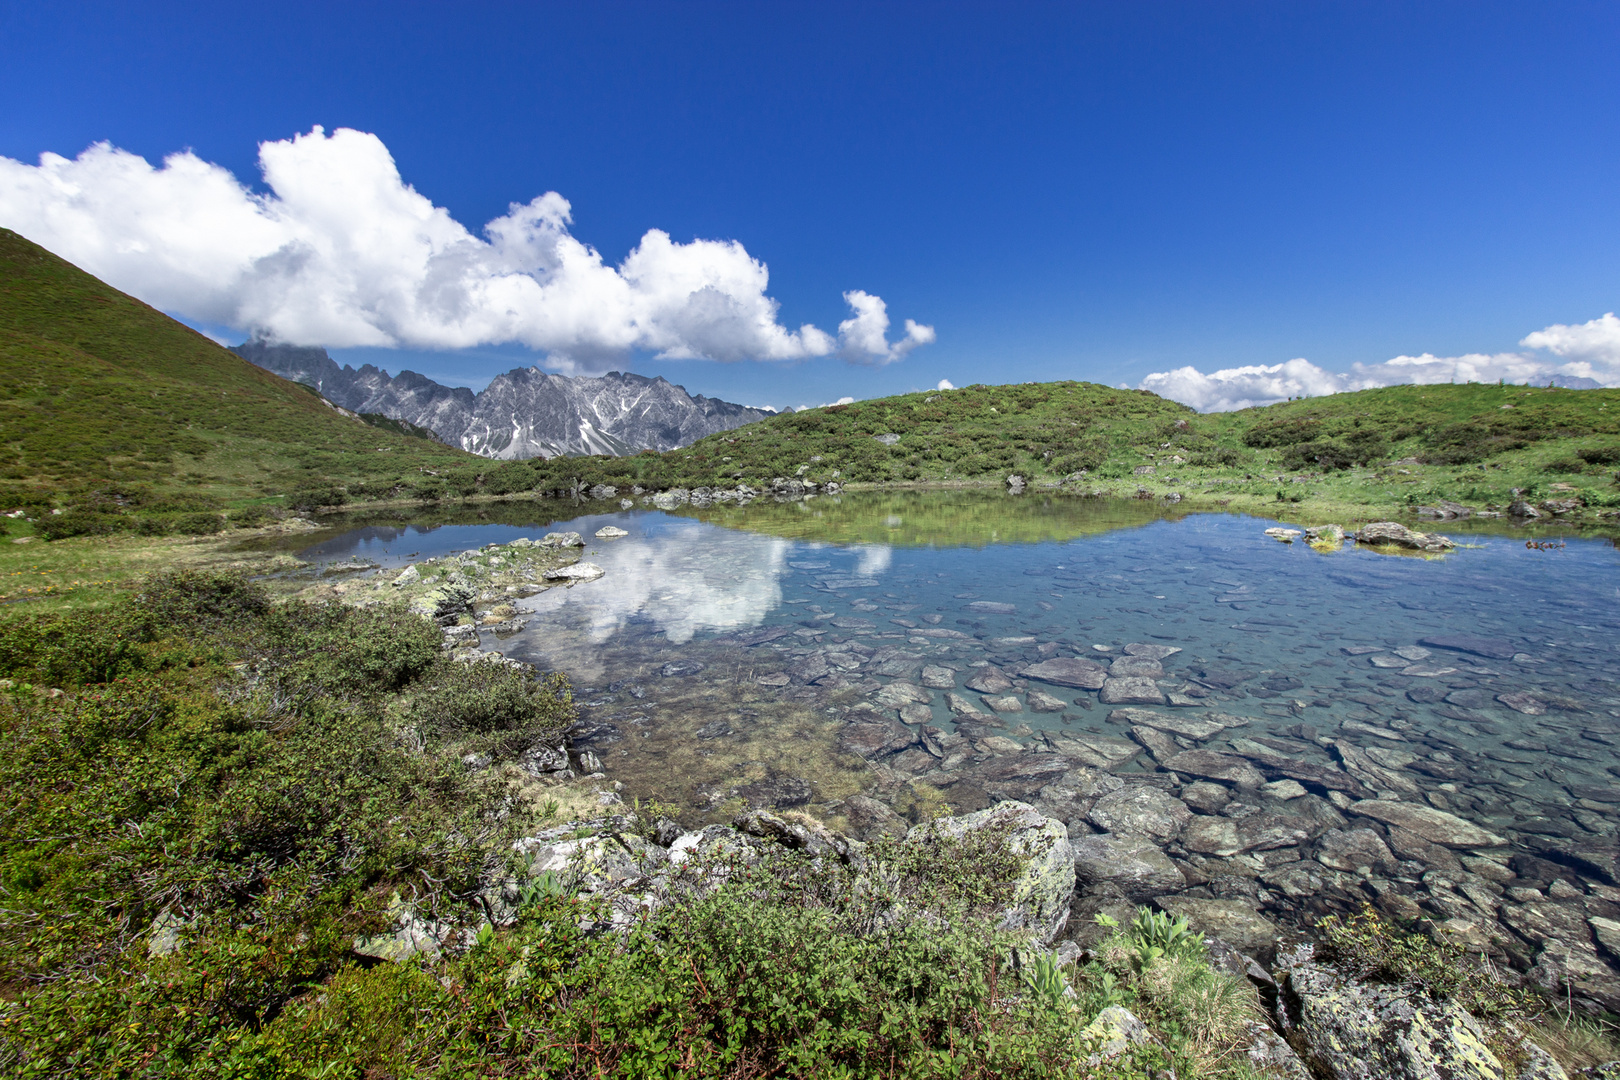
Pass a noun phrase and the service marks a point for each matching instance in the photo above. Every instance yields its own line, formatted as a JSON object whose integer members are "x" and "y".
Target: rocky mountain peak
{"x": 522, "y": 413}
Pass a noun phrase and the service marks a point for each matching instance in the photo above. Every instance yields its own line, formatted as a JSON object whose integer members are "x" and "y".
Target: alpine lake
{"x": 1218, "y": 717}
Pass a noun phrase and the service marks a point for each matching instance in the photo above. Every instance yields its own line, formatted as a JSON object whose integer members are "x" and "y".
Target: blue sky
{"x": 1097, "y": 191}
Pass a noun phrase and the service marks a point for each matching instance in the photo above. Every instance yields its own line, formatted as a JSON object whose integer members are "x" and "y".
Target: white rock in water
{"x": 1284, "y": 535}
{"x": 610, "y": 532}
{"x": 578, "y": 572}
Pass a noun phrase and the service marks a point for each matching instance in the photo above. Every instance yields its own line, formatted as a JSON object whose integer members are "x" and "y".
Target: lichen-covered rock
{"x": 412, "y": 934}
{"x": 1357, "y": 1031}
{"x": 1042, "y": 892}
{"x": 1271, "y": 1055}
{"x": 562, "y": 540}
{"x": 445, "y": 601}
{"x": 1115, "y": 1030}
{"x": 1394, "y": 534}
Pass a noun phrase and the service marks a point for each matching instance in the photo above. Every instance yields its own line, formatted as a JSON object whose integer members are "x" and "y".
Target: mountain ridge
{"x": 522, "y": 413}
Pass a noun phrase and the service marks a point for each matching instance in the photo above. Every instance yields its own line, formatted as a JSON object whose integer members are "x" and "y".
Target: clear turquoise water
{"x": 1279, "y": 618}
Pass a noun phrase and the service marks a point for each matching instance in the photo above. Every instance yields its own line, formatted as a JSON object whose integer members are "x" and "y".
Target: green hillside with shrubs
{"x": 1388, "y": 448}
{"x": 133, "y": 422}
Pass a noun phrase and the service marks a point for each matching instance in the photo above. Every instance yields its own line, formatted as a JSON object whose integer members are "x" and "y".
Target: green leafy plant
{"x": 1155, "y": 934}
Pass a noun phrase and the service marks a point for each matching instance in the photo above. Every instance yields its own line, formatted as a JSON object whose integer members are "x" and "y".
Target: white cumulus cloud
{"x": 1583, "y": 355}
{"x": 341, "y": 252}
{"x": 944, "y": 384}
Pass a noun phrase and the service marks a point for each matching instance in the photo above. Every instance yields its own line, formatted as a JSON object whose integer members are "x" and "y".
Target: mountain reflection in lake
{"x": 1296, "y": 729}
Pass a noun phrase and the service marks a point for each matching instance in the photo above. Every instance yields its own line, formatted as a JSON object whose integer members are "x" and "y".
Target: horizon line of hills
{"x": 523, "y": 413}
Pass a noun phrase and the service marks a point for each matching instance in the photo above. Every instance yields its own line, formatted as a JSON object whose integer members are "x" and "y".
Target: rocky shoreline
{"x": 1311, "y": 1016}
{"x": 1205, "y": 790}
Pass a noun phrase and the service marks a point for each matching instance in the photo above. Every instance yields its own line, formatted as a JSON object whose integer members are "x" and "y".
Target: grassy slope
{"x": 96, "y": 388}
{"x": 1374, "y": 453}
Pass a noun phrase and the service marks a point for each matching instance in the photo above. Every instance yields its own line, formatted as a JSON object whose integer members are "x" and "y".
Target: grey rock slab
{"x": 1159, "y": 745}
{"x": 1209, "y": 765}
{"x": 1436, "y": 826}
{"x": 1004, "y": 703}
{"x": 582, "y": 571}
{"x": 1193, "y": 727}
{"x": 1407, "y": 844}
{"x": 1042, "y": 891}
{"x": 1134, "y": 690}
{"x": 1205, "y": 797}
{"x": 1492, "y": 648}
{"x": 1140, "y": 810}
{"x": 961, "y": 706}
{"x": 1394, "y": 534}
{"x": 1044, "y": 703}
{"x": 1151, "y": 652}
{"x": 1270, "y": 1055}
{"x": 1352, "y": 850}
{"x": 1133, "y": 864}
{"x": 989, "y": 681}
{"x": 899, "y": 693}
{"x": 1126, "y": 667}
{"x": 992, "y": 607}
{"x": 1284, "y": 789}
{"x": 562, "y": 540}
{"x": 916, "y": 714}
{"x": 1224, "y": 837}
{"x": 1520, "y": 702}
{"x": 938, "y": 678}
{"x": 1068, "y": 671}
{"x": 1097, "y": 751}
{"x": 1236, "y": 922}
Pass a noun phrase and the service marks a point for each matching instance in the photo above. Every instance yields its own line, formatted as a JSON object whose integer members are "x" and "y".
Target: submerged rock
{"x": 1134, "y": 865}
{"x": 1139, "y": 810}
{"x": 1068, "y": 671}
{"x": 1132, "y": 690}
{"x": 1236, "y": 922}
{"x": 1436, "y": 826}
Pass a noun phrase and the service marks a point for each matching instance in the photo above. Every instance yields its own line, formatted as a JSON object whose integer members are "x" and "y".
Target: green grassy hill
{"x": 105, "y": 401}
{"x": 1386, "y": 448}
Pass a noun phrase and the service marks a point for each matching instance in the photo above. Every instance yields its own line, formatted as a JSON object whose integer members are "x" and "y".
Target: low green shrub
{"x": 1370, "y": 948}
{"x": 457, "y": 698}
{"x": 80, "y": 521}
{"x": 307, "y": 500}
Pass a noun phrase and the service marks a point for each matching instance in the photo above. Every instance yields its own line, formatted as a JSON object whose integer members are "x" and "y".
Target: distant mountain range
{"x": 524, "y": 413}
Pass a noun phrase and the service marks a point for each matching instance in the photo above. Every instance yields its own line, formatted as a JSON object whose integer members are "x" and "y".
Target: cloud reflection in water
{"x": 685, "y": 577}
